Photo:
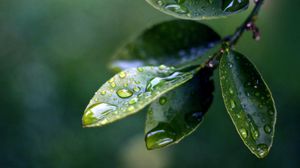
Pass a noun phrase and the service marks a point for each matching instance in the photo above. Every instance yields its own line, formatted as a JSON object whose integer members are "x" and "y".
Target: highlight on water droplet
{"x": 96, "y": 114}
{"x": 267, "y": 129}
{"x": 160, "y": 136}
{"x": 234, "y": 5}
{"x": 140, "y": 69}
{"x": 122, "y": 74}
{"x": 103, "y": 92}
{"x": 133, "y": 101}
{"x": 179, "y": 9}
{"x": 262, "y": 150}
{"x": 136, "y": 89}
{"x": 124, "y": 93}
{"x": 243, "y": 132}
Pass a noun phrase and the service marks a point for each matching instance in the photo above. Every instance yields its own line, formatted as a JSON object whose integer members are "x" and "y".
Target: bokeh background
{"x": 54, "y": 55}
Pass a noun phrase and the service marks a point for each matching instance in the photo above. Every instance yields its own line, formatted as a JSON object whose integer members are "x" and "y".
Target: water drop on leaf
{"x": 124, "y": 93}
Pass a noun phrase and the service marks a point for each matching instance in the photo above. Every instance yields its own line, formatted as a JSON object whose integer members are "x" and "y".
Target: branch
{"x": 248, "y": 24}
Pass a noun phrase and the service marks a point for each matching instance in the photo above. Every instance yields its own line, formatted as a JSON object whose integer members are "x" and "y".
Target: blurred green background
{"x": 54, "y": 55}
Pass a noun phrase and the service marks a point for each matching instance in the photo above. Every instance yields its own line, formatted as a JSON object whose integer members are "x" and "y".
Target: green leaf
{"x": 178, "y": 113}
{"x": 172, "y": 43}
{"x": 249, "y": 102}
{"x": 199, "y": 9}
{"x": 130, "y": 91}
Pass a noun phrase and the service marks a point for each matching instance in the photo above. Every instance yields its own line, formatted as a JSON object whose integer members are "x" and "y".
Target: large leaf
{"x": 179, "y": 112}
{"x": 199, "y": 9}
{"x": 171, "y": 43}
{"x": 129, "y": 91}
{"x": 249, "y": 102}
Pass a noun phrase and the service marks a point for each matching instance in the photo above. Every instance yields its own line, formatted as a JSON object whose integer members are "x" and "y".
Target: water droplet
{"x": 162, "y": 100}
{"x": 257, "y": 94}
{"x": 124, "y": 93}
{"x": 234, "y": 5}
{"x": 156, "y": 82}
{"x": 140, "y": 69}
{"x": 160, "y": 136}
{"x": 111, "y": 80}
{"x": 131, "y": 108}
{"x": 244, "y": 132}
{"x": 232, "y": 104}
{"x": 179, "y": 9}
{"x": 230, "y": 91}
{"x": 133, "y": 101}
{"x": 271, "y": 112}
{"x": 162, "y": 67}
{"x": 262, "y": 150}
{"x": 160, "y": 3}
{"x": 125, "y": 85}
{"x": 113, "y": 84}
{"x": 254, "y": 131}
{"x": 122, "y": 74}
{"x": 103, "y": 92}
{"x": 267, "y": 129}
{"x": 136, "y": 89}
{"x": 97, "y": 113}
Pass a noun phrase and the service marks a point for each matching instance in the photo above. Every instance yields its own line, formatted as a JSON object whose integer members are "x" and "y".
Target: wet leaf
{"x": 249, "y": 102}
{"x": 199, "y": 9}
{"x": 130, "y": 91}
{"x": 178, "y": 113}
{"x": 171, "y": 43}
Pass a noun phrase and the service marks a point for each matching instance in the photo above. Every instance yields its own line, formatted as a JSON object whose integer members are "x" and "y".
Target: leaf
{"x": 249, "y": 102}
{"x": 130, "y": 91}
{"x": 173, "y": 43}
{"x": 178, "y": 113}
{"x": 199, "y": 9}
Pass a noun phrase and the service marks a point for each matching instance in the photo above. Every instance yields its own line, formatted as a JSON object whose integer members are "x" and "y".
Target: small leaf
{"x": 171, "y": 43}
{"x": 130, "y": 91}
{"x": 199, "y": 9}
{"x": 249, "y": 102}
{"x": 178, "y": 113}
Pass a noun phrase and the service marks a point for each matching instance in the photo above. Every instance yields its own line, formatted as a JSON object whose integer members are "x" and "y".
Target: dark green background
{"x": 54, "y": 55}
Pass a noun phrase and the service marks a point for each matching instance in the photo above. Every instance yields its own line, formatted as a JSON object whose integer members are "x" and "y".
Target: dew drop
{"x": 97, "y": 113}
{"x": 131, "y": 109}
{"x": 113, "y": 84}
{"x": 177, "y": 8}
{"x": 103, "y": 92}
{"x": 140, "y": 69}
{"x": 244, "y": 132}
{"x": 162, "y": 67}
{"x": 232, "y": 104}
{"x": 122, "y": 75}
{"x": 124, "y": 93}
{"x": 234, "y": 5}
{"x": 230, "y": 91}
{"x": 162, "y": 100}
{"x": 254, "y": 132}
{"x": 262, "y": 150}
{"x": 271, "y": 113}
{"x": 160, "y": 136}
{"x": 111, "y": 80}
{"x": 133, "y": 101}
{"x": 267, "y": 129}
{"x": 136, "y": 89}
{"x": 160, "y": 3}
{"x": 157, "y": 82}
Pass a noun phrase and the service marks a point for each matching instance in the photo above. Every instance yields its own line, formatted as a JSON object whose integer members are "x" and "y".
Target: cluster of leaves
{"x": 168, "y": 70}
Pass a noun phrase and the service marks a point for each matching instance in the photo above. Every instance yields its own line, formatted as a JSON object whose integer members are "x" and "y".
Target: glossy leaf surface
{"x": 199, "y": 9}
{"x": 249, "y": 102}
{"x": 129, "y": 91}
{"x": 173, "y": 43}
{"x": 179, "y": 112}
